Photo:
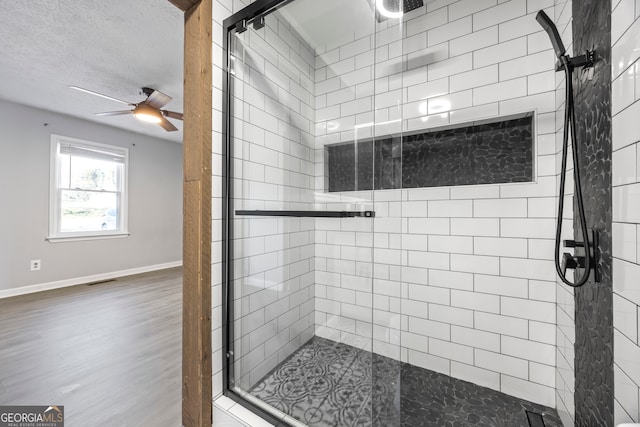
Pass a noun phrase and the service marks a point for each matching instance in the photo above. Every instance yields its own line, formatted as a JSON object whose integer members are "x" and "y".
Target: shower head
{"x": 386, "y": 9}
{"x": 548, "y": 25}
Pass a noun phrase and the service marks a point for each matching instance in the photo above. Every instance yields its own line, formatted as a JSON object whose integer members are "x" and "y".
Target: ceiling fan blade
{"x": 99, "y": 94}
{"x": 114, "y": 113}
{"x": 167, "y": 125}
{"x": 172, "y": 114}
{"x": 158, "y": 99}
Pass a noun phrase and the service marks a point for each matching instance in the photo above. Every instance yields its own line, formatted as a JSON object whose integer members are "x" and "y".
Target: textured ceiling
{"x": 113, "y": 47}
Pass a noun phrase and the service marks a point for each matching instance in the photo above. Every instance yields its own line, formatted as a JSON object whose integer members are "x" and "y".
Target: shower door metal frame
{"x": 240, "y": 18}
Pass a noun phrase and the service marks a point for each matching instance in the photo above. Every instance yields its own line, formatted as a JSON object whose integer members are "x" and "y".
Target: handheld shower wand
{"x": 548, "y": 25}
{"x": 588, "y": 261}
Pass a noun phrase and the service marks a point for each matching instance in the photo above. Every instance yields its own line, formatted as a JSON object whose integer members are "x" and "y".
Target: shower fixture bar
{"x": 585, "y": 262}
{"x": 585, "y": 61}
{"x": 310, "y": 214}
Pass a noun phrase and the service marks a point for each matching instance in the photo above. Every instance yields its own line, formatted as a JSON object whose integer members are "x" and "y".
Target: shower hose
{"x": 570, "y": 125}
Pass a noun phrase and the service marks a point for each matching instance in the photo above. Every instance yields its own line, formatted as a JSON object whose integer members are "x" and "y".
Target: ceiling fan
{"x": 148, "y": 110}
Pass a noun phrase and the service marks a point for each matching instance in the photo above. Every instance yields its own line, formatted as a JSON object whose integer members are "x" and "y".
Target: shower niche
{"x": 491, "y": 151}
{"x": 330, "y": 119}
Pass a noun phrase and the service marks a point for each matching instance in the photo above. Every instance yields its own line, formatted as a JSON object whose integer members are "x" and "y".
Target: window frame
{"x": 55, "y": 235}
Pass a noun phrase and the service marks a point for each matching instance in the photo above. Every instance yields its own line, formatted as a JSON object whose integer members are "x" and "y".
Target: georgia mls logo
{"x": 32, "y": 416}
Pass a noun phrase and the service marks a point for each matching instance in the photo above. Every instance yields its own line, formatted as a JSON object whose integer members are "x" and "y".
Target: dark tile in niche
{"x": 350, "y": 166}
{"x": 487, "y": 153}
{"x": 483, "y": 154}
{"x": 388, "y": 164}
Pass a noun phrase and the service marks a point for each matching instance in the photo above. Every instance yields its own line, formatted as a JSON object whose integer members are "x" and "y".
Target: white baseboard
{"x": 6, "y": 293}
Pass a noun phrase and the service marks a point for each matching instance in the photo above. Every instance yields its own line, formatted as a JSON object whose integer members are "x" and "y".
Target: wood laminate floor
{"x": 110, "y": 353}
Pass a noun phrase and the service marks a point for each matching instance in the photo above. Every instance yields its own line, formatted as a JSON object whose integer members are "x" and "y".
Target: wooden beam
{"x": 184, "y": 5}
{"x": 197, "y": 396}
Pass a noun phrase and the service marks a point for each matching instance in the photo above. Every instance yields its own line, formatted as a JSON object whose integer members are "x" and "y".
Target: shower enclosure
{"x": 356, "y": 291}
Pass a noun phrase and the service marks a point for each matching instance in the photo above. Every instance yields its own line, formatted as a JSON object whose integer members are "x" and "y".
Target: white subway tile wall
{"x": 456, "y": 279}
{"x": 462, "y": 276}
{"x": 625, "y": 27}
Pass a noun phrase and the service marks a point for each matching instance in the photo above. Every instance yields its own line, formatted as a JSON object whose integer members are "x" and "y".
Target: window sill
{"x": 91, "y": 237}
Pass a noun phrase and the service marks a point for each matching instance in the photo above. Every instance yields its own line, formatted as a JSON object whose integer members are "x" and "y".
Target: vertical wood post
{"x": 196, "y": 324}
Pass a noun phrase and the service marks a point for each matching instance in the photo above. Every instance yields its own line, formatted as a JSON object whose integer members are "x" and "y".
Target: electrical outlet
{"x": 35, "y": 265}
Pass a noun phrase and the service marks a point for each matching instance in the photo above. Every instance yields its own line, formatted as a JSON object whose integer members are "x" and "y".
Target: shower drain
{"x": 535, "y": 419}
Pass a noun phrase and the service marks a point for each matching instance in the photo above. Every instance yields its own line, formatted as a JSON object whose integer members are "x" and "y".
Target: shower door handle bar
{"x": 310, "y": 214}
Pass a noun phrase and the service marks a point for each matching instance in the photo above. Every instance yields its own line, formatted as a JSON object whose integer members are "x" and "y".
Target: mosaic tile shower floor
{"x": 328, "y": 384}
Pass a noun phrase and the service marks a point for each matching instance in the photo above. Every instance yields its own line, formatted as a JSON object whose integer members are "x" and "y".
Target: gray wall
{"x": 155, "y": 201}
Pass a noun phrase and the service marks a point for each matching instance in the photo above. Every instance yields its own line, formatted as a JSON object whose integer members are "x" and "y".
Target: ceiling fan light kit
{"x": 148, "y": 110}
{"x": 147, "y": 114}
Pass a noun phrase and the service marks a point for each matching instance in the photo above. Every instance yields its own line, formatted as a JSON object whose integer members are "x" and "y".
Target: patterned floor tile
{"x": 328, "y": 384}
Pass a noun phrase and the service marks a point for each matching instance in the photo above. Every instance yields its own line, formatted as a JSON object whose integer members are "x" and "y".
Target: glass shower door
{"x": 300, "y": 236}
{"x": 271, "y": 178}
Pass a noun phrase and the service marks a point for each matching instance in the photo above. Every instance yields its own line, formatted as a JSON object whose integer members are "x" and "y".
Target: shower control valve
{"x": 571, "y": 262}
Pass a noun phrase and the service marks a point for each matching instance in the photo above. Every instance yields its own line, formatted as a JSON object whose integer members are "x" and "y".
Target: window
{"x": 88, "y": 196}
